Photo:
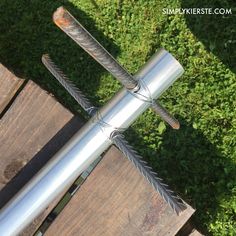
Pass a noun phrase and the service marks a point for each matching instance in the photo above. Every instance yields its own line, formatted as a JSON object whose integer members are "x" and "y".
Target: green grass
{"x": 199, "y": 160}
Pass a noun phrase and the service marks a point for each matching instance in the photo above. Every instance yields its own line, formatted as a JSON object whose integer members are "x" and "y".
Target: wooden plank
{"x": 30, "y": 128}
{"x": 117, "y": 200}
{"x": 188, "y": 229}
{"x": 9, "y": 84}
{"x": 195, "y": 233}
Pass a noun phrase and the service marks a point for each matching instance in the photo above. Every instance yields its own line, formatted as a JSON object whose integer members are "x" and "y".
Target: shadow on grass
{"x": 27, "y": 32}
{"x": 193, "y": 167}
{"x": 216, "y": 32}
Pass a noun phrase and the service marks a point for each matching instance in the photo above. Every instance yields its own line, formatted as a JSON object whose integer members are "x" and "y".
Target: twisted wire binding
{"x": 174, "y": 201}
{"x": 68, "y": 85}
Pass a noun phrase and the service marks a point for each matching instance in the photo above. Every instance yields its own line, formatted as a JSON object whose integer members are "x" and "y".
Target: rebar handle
{"x": 64, "y": 20}
{"x": 67, "y": 23}
{"x": 165, "y": 115}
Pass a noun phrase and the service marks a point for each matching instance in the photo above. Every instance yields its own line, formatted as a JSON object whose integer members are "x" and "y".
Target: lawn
{"x": 199, "y": 160}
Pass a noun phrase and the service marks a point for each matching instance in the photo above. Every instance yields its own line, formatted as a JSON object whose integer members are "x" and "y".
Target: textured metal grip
{"x": 165, "y": 115}
{"x": 80, "y": 35}
{"x": 174, "y": 201}
{"x": 68, "y": 85}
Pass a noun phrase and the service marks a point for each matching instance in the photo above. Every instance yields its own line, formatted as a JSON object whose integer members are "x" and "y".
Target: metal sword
{"x": 174, "y": 201}
{"x": 91, "y": 141}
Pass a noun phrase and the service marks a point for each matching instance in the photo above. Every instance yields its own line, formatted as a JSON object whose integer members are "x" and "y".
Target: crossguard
{"x": 65, "y": 21}
{"x": 174, "y": 201}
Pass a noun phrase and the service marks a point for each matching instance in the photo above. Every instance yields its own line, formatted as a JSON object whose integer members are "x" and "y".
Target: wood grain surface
{"x": 9, "y": 84}
{"x": 114, "y": 200}
{"x": 117, "y": 200}
{"x": 195, "y": 233}
{"x": 35, "y": 125}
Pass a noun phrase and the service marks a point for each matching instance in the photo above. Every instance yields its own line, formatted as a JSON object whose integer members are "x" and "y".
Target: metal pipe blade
{"x": 174, "y": 202}
{"x": 86, "y": 145}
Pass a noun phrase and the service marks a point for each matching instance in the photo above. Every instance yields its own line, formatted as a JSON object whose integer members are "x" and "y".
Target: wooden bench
{"x": 114, "y": 200}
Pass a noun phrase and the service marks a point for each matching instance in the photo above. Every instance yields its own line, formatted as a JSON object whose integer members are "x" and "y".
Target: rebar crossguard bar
{"x": 64, "y": 20}
{"x": 103, "y": 129}
{"x": 117, "y": 138}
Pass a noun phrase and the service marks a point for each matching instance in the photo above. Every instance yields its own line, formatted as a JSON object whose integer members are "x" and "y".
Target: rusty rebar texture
{"x": 117, "y": 138}
{"x": 67, "y": 23}
{"x": 174, "y": 201}
{"x": 64, "y": 20}
{"x": 165, "y": 115}
{"x": 68, "y": 85}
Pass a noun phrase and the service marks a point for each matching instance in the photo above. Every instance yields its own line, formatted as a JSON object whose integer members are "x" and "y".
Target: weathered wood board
{"x": 35, "y": 125}
{"x": 33, "y": 119}
{"x": 9, "y": 84}
{"x": 114, "y": 200}
{"x": 117, "y": 200}
{"x": 195, "y": 233}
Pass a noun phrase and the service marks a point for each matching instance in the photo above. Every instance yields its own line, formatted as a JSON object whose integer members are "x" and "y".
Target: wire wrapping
{"x": 117, "y": 138}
